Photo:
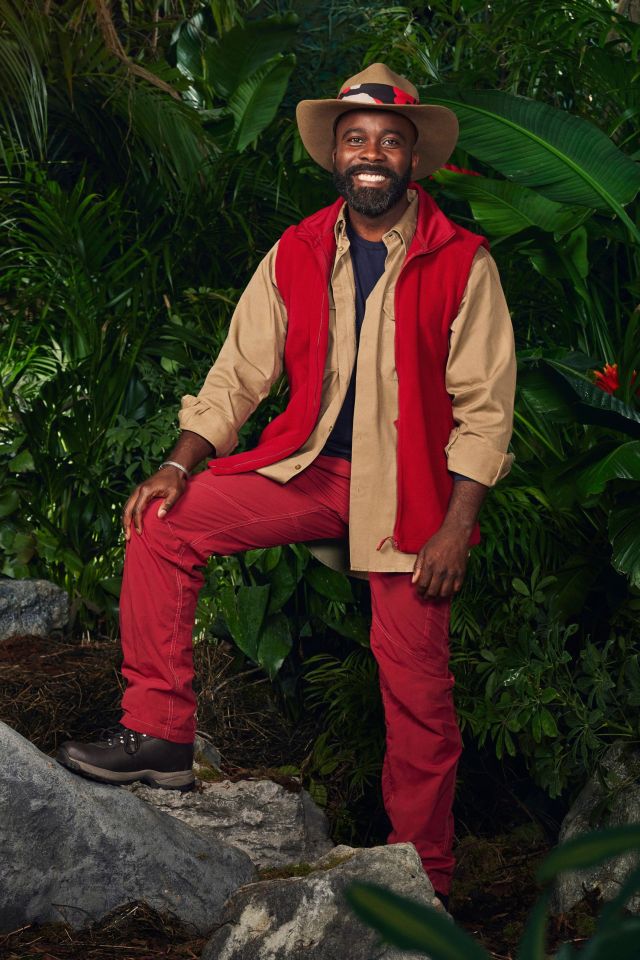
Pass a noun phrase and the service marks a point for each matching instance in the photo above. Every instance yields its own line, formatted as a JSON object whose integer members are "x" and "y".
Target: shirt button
{"x": 298, "y": 466}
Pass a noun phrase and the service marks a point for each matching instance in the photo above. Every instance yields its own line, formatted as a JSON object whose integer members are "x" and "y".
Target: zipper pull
{"x": 384, "y": 540}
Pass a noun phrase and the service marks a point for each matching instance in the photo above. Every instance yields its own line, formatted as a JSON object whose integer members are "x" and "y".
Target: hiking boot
{"x": 124, "y": 756}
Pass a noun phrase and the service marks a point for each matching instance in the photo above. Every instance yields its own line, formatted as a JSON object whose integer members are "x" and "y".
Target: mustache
{"x": 354, "y": 170}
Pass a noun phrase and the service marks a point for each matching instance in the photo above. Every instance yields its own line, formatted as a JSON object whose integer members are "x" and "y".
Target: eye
{"x": 355, "y": 139}
{"x": 391, "y": 141}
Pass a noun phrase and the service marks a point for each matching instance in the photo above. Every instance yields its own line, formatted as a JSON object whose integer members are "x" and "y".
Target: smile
{"x": 369, "y": 177}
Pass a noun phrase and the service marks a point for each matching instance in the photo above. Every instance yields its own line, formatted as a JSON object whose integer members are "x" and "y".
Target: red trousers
{"x": 409, "y": 635}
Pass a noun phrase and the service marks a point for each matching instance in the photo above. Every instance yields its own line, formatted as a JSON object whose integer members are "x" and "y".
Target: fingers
{"x": 127, "y": 512}
{"x": 166, "y": 504}
{"x": 434, "y": 583}
{"x": 157, "y": 486}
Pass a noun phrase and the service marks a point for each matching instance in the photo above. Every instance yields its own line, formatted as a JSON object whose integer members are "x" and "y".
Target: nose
{"x": 372, "y": 152}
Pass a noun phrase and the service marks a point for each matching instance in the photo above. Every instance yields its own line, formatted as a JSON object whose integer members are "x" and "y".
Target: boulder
{"x": 306, "y": 917}
{"x": 611, "y": 799}
{"x": 31, "y": 608}
{"x": 273, "y": 825}
{"x": 206, "y": 752}
{"x": 73, "y": 850}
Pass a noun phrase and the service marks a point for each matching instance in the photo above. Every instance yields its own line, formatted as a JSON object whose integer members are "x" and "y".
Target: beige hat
{"x": 379, "y": 88}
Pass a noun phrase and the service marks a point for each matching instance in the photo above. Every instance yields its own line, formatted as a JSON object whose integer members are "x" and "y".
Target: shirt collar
{"x": 404, "y": 229}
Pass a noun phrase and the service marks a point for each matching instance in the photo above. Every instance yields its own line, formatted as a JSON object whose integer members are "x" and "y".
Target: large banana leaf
{"x": 566, "y": 158}
{"x": 593, "y": 405}
{"x": 624, "y": 533}
{"x": 243, "y": 50}
{"x": 503, "y": 208}
{"x": 256, "y": 100}
{"x": 622, "y": 463}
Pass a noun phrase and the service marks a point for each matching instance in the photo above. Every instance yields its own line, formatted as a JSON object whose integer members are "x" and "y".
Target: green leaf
{"x": 567, "y": 258}
{"x": 188, "y": 41}
{"x": 548, "y": 694}
{"x": 589, "y": 850}
{"x": 255, "y": 102}
{"x": 624, "y": 534}
{"x": 354, "y": 626}
{"x": 566, "y": 158}
{"x": 244, "y": 611}
{"x": 594, "y": 405}
{"x": 275, "y": 643}
{"x": 9, "y": 503}
{"x": 411, "y": 925}
{"x": 283, "y": 582}
{"x": 620, "y": 942}
{"x": 533, "y": 943}
{"x": 23, "y": 463}
{"x": 503, "y": 208}
{"x": 623, "y": 463}
{"x": 329, "y": 583}
{"x": 246, "y": 49}
{"x": 548, "y": 723}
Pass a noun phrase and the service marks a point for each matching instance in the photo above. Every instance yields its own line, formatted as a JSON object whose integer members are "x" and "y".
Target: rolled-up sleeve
{"x": 480, "y": 377}
{"x": 247, "y": 366}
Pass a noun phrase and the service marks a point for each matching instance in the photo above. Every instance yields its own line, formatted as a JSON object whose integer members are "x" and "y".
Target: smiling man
{"x": 391, "y": 325}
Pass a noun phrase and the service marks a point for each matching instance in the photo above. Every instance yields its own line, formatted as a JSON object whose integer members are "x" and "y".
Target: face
{"x": 373, "y": 159}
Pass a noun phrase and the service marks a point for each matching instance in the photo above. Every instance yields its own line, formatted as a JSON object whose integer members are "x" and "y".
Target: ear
{"x": 415, "y": 159}
{"x": 333, "y": 156}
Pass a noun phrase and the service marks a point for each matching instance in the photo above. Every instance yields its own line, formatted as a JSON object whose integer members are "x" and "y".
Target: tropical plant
{"x": 423, "y": 929}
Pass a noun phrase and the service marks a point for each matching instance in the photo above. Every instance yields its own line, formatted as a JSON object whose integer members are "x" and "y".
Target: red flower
{"x": 608, "y": 379}
{"x": 469, "y": 173}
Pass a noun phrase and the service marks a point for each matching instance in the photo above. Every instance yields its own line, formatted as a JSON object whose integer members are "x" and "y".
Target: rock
{"x": 306, "y": 916}
{"x": 274, "y": 826}
{"x": 206, "y": 753}
{"x": 33, "y": 608}
{"x": 73, "y": 850}
{"x": 597, "y": 806}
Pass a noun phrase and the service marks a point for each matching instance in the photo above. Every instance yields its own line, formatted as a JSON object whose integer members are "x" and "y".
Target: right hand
{"x": 168, "y": 483}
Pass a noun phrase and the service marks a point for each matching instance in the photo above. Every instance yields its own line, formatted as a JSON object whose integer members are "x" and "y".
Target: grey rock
{"x": 33, "y": 608}
{"x": 205, "y": 752}
{"x": 610, "y": 800}
{"x": 307, "y": 917}
{"x": 73, "y": 850}
{"x": 274, "y": 826}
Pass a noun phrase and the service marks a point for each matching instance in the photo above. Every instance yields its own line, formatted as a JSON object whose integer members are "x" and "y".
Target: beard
{"x": 371, "y": 201}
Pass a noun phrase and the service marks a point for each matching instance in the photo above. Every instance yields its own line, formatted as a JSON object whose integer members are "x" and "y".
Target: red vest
{"x": 427, "y": 298}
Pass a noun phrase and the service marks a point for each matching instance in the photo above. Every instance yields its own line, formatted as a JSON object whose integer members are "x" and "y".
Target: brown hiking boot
{"x": 124, "y": 756}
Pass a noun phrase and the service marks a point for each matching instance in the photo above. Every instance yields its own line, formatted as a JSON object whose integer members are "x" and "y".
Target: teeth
{"x": 370, "y": 177}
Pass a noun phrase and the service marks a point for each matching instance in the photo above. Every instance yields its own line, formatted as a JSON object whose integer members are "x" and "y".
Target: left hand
{"x": 441, "y": 565}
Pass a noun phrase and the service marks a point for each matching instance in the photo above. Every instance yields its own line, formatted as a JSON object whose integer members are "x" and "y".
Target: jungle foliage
{"x": 425, "y": 930}
{"x": 149, "y": 159}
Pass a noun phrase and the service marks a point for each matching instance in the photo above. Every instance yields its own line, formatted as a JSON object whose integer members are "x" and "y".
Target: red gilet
{"x": 428, "y": 293}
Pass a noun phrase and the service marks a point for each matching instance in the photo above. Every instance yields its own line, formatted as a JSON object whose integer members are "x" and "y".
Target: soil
{"x": 52, "y": 690}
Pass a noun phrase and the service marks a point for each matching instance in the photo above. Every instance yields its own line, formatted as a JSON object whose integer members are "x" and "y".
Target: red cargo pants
{"x": 409, "y": 635}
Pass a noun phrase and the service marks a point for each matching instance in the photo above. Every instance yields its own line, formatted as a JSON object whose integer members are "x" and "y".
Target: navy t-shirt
{"x": 368, "y": 259}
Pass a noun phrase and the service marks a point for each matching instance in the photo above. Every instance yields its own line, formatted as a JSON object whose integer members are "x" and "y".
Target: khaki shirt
{"x": 480, "y": 377}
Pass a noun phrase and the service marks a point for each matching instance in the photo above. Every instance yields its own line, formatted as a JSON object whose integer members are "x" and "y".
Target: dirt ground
{"x": 51, "y": 690}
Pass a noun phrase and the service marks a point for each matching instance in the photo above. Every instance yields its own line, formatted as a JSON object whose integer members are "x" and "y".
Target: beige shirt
{"x": 480, "y": 377}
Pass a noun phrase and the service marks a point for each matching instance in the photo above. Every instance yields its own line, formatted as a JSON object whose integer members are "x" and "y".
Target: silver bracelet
{"x": 172, "y": 463}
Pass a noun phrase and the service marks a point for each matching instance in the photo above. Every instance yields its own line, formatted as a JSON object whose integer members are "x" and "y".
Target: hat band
{"x": 376, "y": 93}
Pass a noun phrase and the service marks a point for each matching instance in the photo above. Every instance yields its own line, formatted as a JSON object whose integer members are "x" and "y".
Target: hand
{"x": 441, "y": 565}
{"x": 169, "y": 482}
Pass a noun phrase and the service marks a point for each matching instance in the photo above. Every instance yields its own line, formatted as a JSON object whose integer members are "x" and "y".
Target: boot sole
{"x": 182, "y": 780}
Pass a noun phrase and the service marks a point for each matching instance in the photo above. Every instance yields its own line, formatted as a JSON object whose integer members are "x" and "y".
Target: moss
{"x": 204, "y": 771}
{"x": 302, "y": 869}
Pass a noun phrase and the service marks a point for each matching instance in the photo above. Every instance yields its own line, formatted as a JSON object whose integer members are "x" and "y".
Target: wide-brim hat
{"x": 379, "y": 88}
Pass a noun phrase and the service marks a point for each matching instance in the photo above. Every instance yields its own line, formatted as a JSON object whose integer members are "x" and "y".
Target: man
{"x": 390, "y": 322}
